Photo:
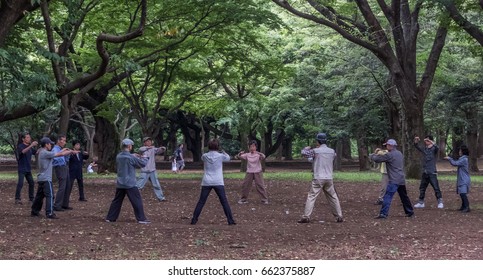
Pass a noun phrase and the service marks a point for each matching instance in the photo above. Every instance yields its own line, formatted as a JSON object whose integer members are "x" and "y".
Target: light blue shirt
{"x": 463, "y": 172}
{"x": 59, "y": 161}
{"x": 126, "y": 169}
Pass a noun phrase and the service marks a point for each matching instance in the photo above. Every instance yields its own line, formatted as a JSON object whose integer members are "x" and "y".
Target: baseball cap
{"x": 147, "y": 138}
{"x": 46, "y": 140}
{"x": 391, "y": 142}
{"x": 321, "y": 137}
{"x": 127, "y": 141}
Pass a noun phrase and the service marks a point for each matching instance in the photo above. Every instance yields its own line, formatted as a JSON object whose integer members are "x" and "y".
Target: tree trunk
{"x": 287, "y": 148}
{"x": 338, "y": 158}
{"x": 346, "y": 148}
{"x": 64, "y": 115}
{"x": 412, "y": 122}
{"x": 472, "y": 137}
{"x": 363, "y": 153}
{"x": 108, "y": 144}
{"x": 480, "y": 142}
{"x": 244, "y": 147}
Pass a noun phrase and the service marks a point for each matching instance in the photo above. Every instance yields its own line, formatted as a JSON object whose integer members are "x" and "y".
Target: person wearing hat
{"x": 25, "y": 150}
{"x": 44, "y": 178}
{"x": 126, "y": 183}
{"x": 394, "y": 160}
{"x": 429, "y": 175}
{"x": 322, "y": 158}
{"x": 148, "y": 172}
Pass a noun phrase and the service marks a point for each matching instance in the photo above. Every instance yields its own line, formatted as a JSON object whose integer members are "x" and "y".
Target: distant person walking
{"x": 394, "y": 160}
{"x": 178, "y": 154}
{"x": 463, "y": 181}
{"x": 126, "y": 183}
{"x": 429, "y": 175}
{"x": 44, "y": 178}
{"x": 76, "y": 163}
{"x": 25, "y": 150}
{"x": 253, "y": 173}
{"x": 322, "y": 158}
{"x": 148, "y": 172}
{"x": 213, "y": 179}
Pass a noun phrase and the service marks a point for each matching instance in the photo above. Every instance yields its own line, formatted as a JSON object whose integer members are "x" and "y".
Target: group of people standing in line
{"x": 67, "y": 164}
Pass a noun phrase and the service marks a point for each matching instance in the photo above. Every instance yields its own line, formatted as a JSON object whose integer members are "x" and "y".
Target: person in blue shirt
{"x": 463, "y": 180}
{"x": 25, "y": 150}
{"x": 126, "y": 183}
{"x": 61, "y": 169}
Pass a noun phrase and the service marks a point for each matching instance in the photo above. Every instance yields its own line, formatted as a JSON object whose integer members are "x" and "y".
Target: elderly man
{"x": 148, "y": 172}
{"x": 394, "y": 160}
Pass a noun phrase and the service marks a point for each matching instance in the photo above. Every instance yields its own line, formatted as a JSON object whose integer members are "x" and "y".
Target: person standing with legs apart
{"x": 429, "y": 176}
{"x": 213, "y": 179}
{"x": 463, "y": 180}
{"x": 254, "y": 173}
{"x": 61, "y": 168}
{"x": 126, "y": 183}
{"x": 148, "y": 172}
{"x": 44, "y": 179}
{"x": 76, "y": 163}
{"x": 25, "y": 150}
{"x": 394, "y": 160}
{"x": 323, "y": 169}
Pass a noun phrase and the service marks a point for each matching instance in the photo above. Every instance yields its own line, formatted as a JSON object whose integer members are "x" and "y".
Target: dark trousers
{"x": 30, "y": 181}
{"x": 205, "y": 192}
{"x": 63, "y": 193}
{"x": 80, "y": 184}
{"x": 390, "y": 191}
{"x": 45, "y": 190}
{"x": 427, "y": 179}
{"x": 136, "y": 201}
{"x": 465, "y": 203}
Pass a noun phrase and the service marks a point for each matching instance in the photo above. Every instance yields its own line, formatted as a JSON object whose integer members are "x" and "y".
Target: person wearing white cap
{"x": 394, "y": 160}
{"x": 148, "y": 172}
{"x": 126, "y": 183}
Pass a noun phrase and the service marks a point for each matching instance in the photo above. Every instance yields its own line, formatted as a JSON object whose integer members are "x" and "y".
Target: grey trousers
{"x": 63, "y": 194}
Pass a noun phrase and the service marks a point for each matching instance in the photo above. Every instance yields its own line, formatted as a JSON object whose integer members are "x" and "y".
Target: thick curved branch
{"x": 473, "y": 30}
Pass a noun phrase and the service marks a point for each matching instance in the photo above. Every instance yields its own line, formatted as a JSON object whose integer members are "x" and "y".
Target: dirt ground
{"x": 267, "y": 232}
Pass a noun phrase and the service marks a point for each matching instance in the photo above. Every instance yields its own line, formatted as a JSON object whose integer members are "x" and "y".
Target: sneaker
{"x": 378, "y": 202}
{"x": 110, "y": 221}
{"x": 265, "y": 202}
{"x": 162, "y": 200}
{"x": 242, "y": 201}
{"x": 419, "y": 205}
{"x": 339, "y": 220}
{"x": 410, "y": 215}
{"x": 18, "y": 201}
{"x": 52, "y": 216}
{"x": 465, "y": 210}
{"x": 380, "y": 216}
{"x": 304, "y": 221}
{"x": 440, "y": 205}
{"x": 144, "y": 222}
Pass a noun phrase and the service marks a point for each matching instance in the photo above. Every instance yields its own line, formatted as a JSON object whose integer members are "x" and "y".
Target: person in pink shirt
{"x": 254, "y": 173}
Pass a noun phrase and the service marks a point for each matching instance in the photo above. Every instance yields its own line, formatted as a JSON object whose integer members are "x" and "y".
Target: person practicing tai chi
{"x": 254, "y": 173}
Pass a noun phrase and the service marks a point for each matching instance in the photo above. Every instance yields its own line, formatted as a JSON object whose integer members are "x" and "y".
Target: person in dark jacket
{"x": 76, "y": 163}
{"x": 25, "y": 150}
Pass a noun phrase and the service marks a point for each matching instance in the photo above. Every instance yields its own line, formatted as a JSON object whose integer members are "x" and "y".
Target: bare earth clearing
{"x": 263, "y": 231}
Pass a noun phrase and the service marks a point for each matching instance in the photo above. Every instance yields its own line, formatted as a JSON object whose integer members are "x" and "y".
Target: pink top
{"x": 253, "y": 161}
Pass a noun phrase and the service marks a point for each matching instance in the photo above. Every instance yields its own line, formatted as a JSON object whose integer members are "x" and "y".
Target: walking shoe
{"x": 242, "y": 201}
{"x": 380, "y": 216}
{"x": 378, "y": 202}
{"x": 18, "y": 201}
{"x": 67, "y": 208}
{"x": 265, "y": 202}
{"x": 52, "y": 216}
{"x": 419, "y": 205}
{"x": 304, "y": 221}
{"x": 409, "y": 215}
{"x": 110, "y": 221}
{"x": 465, "y": 210}
{"x": 440, "y": 203}
{"x": 144, "y": 222}
{"x": 339, "y": 220}
{"x": 162, "y": 200}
